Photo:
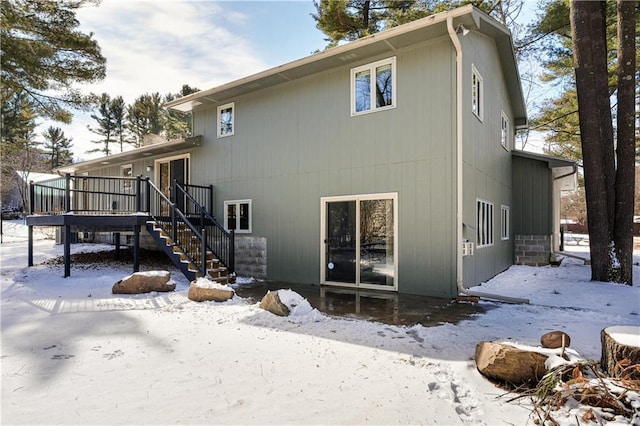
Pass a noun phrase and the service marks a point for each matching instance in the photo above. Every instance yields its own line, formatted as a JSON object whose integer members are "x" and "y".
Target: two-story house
{"x": 387, "y": 163}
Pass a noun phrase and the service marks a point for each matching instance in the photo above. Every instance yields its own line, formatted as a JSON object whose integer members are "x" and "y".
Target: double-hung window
{"x": 485, "y": 223}
{"x": 373, "y": 87}
{"x": 504, "y": 131}
{"x": 506, "y": 222}
{"x": 476, "y": 93}
{"x": 226, "y": 116}
{"x": 237, "y": 216}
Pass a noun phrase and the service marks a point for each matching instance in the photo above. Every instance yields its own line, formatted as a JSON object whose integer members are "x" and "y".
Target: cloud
{"x": 160, "y": 45}
{"x": 157, "y": 46}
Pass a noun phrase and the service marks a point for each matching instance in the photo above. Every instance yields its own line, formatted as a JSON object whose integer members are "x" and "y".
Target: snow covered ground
{"x": 73, "y": 353}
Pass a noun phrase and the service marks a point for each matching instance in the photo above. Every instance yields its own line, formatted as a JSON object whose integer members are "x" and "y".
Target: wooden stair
{"x": 215, "y": 270}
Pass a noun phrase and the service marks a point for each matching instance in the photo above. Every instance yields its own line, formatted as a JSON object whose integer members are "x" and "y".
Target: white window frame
{"x": 372, "y": 86}
{"x": 222, "y": 108}
{"x": 323, "y": 232}
{"x": 505, "y": 214}
{"x": 477, "y": 93}
{"x": 127, "y": 185}
{"x": 504, "y": 131}
{"x": 237, "y": 203}
{"x": 485, "y": 221}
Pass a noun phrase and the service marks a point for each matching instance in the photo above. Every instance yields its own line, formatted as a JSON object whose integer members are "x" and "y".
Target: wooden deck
{"x": 89, "y": 223}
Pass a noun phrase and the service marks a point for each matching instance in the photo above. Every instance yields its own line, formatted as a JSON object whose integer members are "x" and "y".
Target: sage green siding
{"x": 486, "y": 164}
{"x": 296, "y": 142}
{"x": 532, "y": 188}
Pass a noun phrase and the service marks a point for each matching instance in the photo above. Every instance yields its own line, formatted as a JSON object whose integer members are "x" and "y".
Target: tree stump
{"x": 620, "y": 349}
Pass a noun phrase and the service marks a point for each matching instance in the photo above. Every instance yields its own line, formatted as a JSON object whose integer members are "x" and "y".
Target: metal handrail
{"x": 216, "y": 239}
{"x": 94, "y": 195}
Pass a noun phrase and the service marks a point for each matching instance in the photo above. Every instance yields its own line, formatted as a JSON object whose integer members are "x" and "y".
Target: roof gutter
{"x": 459, "y": 187}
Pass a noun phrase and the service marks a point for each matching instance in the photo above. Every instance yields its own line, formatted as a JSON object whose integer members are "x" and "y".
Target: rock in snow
{"x": 555, "y": 339}
{"x": 204, "y": 290}
{"x": 509, "y": 364}
{"x": 144, "y": 282}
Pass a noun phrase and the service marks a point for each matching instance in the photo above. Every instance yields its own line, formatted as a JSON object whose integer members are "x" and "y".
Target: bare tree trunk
{"x": 588, "y": 25}
{"x": 625, "y": 152}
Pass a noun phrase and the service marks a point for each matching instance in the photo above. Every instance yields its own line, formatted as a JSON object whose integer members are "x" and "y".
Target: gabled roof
{"x": 388, "y": 41}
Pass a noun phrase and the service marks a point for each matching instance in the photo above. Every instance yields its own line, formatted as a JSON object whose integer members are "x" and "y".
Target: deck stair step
{"x": 176, "y": 252}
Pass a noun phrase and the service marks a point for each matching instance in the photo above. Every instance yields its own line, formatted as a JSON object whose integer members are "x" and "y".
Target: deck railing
{"x": 218, "y": 240}
{"x": 201, "y": 194}
{"x": 186, "y": 214}
{"x": 89, "y": 195}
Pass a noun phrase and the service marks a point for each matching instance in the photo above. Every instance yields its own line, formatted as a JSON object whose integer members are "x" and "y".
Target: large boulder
{"x": 204, "y": 290}
{"x": 271, "y": 302}
{"x": 506, "y": 363}
{"x": 144, "y": 282}
{"x": 555, "y": 339}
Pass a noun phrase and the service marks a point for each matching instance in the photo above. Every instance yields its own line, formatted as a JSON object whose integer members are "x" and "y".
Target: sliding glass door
{"x": 359, "y": 239}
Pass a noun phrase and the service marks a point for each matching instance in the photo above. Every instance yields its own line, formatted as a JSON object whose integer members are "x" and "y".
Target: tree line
{"x": 126, "y": 125}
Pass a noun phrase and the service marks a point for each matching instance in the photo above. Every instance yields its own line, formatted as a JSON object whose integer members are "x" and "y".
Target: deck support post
{"x": 67, "y": 251}
{"x": 30, "y": 246}
{"x": 136, "y": 248}
{"x": 116, "y": 240}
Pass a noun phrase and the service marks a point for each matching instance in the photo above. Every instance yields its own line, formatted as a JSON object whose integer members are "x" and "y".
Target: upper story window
{"x": 504, "y": 131}
{"x": 226, "y": 115}
{"x": 476, "y": 93}
{"x": 237, "y": 216}
{"x": 373, "y": 87}
{"x": 485, "y": 223}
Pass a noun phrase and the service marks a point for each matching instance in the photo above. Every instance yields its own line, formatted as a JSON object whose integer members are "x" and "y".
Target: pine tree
{"x": 57, "y": 147}
{"x": 348, "y": 20}
{"x": 609, "y": 163}
{"x": 178, "y": 124}
{"x": 578, "y": 108}
{"x": 44, "y": 55}
{"x": 146, "y": 115}
{"x": 106, "y": 128}
{"x": 118, "y": 111}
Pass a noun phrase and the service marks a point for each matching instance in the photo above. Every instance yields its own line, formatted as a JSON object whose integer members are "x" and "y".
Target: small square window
{"x": 226, "y": 117}
{"x": 476, "y": 93}
{"x": 504, "y": 131}
{"x": 506, "y": 222}
{"x": 373, "y": 86}
{"x": 237, "y": 216}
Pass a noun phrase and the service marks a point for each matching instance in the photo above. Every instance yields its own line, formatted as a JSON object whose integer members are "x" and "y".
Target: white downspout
{"x": 459, "y": 224}
{"x": 459, "y": 187}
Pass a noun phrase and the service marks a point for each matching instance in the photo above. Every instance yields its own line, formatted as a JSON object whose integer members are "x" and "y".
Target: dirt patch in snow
{"x": 149, "y": 258}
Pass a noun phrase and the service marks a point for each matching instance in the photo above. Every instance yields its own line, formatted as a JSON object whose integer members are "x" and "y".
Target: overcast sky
{"x": 159, "y": 45}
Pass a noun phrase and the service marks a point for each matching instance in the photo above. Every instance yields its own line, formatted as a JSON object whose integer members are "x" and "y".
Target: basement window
{"x": 484, "y": 227}
{"x": 237, "y": 216}
{"x": 506, "y": 222}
